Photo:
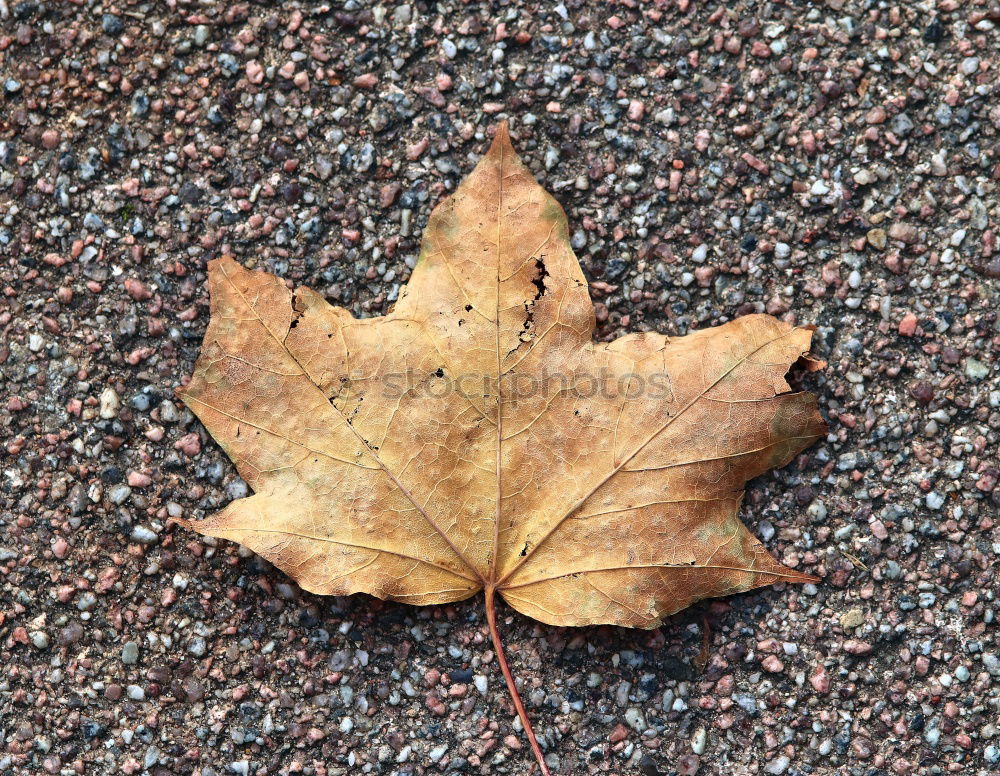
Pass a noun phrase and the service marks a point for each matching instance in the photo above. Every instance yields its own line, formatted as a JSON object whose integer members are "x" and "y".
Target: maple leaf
{"x": 477, "y": 439}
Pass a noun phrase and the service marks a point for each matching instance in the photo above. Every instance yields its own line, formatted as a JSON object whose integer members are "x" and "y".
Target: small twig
{"x": 858, "y": 563}
{"x": 701, "y": 659}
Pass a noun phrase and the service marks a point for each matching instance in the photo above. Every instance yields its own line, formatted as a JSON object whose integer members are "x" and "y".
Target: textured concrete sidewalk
{"x": 834, "y": 164}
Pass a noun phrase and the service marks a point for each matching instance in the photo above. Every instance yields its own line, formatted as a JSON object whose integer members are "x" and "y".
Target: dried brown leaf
{"x": 477, "y": 438}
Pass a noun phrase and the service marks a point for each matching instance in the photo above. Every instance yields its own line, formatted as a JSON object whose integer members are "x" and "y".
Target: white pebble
{"x": 110, "y": 403}
{"x": 635, "y": 719}
{"x": 934, "y": 500}
{"x": 143, "y": 535}
{"x": 817, "y": 510}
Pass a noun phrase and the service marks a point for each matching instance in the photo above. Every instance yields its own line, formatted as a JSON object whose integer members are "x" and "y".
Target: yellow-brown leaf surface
{"x": 477, "y": 438}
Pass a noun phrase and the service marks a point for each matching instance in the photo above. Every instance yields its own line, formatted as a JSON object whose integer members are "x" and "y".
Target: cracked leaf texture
{"x": 477, "y": 437}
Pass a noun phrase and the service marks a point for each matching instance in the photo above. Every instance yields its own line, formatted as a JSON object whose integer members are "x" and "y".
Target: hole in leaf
{"x": 529, "y": 314}
{"x": 298, "y": 312}
{"x": 539, "y": 279}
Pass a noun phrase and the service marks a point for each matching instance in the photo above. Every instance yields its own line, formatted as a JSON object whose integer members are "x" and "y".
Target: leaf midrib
{"x": 498, "y": 450}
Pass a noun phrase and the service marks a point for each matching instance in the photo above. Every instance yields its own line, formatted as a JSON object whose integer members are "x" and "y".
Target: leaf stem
{"x": 491, "y": 619}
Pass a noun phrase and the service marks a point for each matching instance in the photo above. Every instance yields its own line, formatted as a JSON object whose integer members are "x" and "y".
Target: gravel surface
{"x": 834, "y": 164}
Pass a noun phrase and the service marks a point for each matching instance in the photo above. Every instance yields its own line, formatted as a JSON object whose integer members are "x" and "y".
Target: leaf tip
{"x": 800, "y": 577}
{"x": 501, "y": 139}
{"x": 217, "y": 264}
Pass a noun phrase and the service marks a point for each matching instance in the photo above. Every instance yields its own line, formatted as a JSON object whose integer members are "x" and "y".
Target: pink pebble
{"x": 137, "y": 289}
{"x": 704, "y": 276}
{"x": 820, "y": 681}
{"x": 908, "y": 326}
{"x": 189, "y": 444}
{"x": 857, "y": 647}
{"x": 416, "y": 150}
{"x": 255, "y": 73}
{"x": 138, "y": 480}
